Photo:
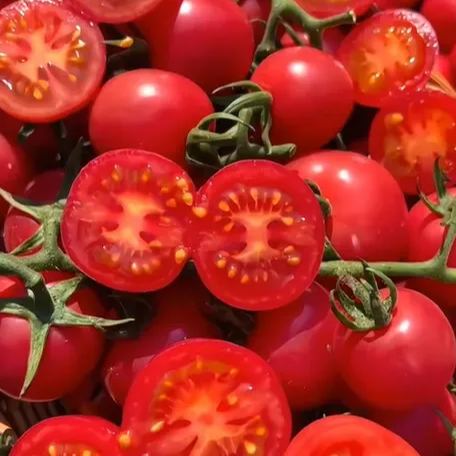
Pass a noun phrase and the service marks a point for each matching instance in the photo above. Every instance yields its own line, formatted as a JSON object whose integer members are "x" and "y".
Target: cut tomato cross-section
{"x": 125, "y": 221}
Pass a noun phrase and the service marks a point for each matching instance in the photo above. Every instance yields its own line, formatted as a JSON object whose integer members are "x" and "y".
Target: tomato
{"x": 296, "y": 340}
{"x": 367, "y": 204}
{"x": 258, "y": 235}
{"x": 443, "y": 66}
{"x": 179, "y": 317}
{"x": 209, "y": 42}
{"x": 69, "y": 355}
{"x": 331, "y": 7}
{"x": 347, "y": 435}
{"x": 301, "y": 114}
{"x": 390, "y": 4}
{"x": 19, "y": 226}
{"x": 410, "y": 361}
{"x": 439, "y": 14}
{"x": 205, "y": 396}
{"x": 389, "y": 53}
{"x": 410, "y": 132}
{"x": 129, "y": 104}
{"x": 332, "y": 38}
{"x": 125, "y": 220}
{"x": 257, "y": 12}
{"x": 52, "y": 60}
{"x": 75, "y": 435}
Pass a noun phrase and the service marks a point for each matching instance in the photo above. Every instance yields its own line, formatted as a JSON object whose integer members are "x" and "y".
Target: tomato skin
{"x": 179, "y": 317}
{"x": 439, "y": 14}
{"x": 380, "y": 211}
{"x": 417, "y": 348}
{"x": 82, "y": 431}
{"x": 296, "y": 340}
{"x": 257, "y": 12}
{"x": 391, "y": 4}
{"x": 301, "y": 115}
{"x": 327, "y": 7}
{"x": 443, "y": 66}
{"x": 348, "y": 435}
{"x": 332, "y": 38}
{"x": 171, "y": 101}
{"x": 209, "y": 42}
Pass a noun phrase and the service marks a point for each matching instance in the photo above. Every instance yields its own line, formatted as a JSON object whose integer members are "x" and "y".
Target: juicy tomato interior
{"x": 388, "y": 53}
{"x": 335, "y": 6}
{"x": 410, "y": 133}
{"x": 51, "y": 61}
{"x": 259, "y": 237}
{"x": 206, "y": 397}
{"x": 125, "y": 220}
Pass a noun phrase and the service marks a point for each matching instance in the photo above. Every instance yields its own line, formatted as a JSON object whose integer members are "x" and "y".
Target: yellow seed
{"x": 157, "y": 426}
{"x": 124, "y": 440}
{"x": 126, "y": 43}
{"x": 52, "y": 450}
{"x": 162, "y": 397}
{"x": 294, "y": 261}
{"x": 135, "y": 268}
{"x": 37, "y": 94}
{"x": 288, "y": 221}
{"x": 87, "y": 453}
{"x": 146, "y": 268}
{"x": 165, "y": 220}
{"x": 221, "y": 263}
{"x": 245, "y": 279}
{"x": 223, "y": 206}
{"x": 199, "y": 363}
{"x": 276, "y": 198}
{"x": 261, "y": 431}
{"x": 43, "y": 84}
{"x": 233, "y": 372}
{"x": 76, "y": 59}
{"x": 199, "y": 212}
{"x": 254, "y": 193}
{"x": 171, "y": 203}
{"x": 250, "y": 447}
{"x": 23, "y": 22}
{"x": 234, "y": 198}
{"x": 232, "y": 399}
{"x": 76, "y": 34}
{"x": 168, "y": 384}
{"x": 155, "y": 244}
{"x": 393, "y": 119}
{"x": 116, "y": 175}
{"x": 79, "y": 44}
{"x": 187, "y": 198}
{"x": 115, "y": 258}
{"x": 288, "y": 249}
{"x": 180, "y": 255}
{"x": 232, "y": 272}
{"x": 228, "y": 227}
{"x": 145, "y": 176}
{"x": 164, "y": 190}
{"x": 182, "y": 183}
{"x": 72, "y": 77}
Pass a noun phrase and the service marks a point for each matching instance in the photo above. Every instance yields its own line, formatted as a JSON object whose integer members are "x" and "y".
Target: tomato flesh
{"x": 389, "y": 53}
{"x": 125, "y": 220}
{"x": 207, "y": 397}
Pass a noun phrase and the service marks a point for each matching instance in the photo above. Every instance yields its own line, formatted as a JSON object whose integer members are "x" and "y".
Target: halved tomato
{"x": 125, "y": 220}
{"x": 51, "y": 60}
{"x": 329, "y": 7}
{"x": 259, "y": 235}
{"x": 388, "y": 53}
{"x": 206, "y": 397}
{"x": 410, "y": 132}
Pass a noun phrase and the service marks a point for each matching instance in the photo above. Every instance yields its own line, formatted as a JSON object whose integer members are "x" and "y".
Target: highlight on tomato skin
{"x": 257, "y": 235}
{"x": 389, "y": 53}
{"x": 410, "y": 132}
{"x": 206, "y": 396}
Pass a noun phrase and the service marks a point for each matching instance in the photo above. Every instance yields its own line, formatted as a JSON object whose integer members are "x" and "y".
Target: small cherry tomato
{"x": 389, "y": 53}
{"x": 440, "y": 13}
{"x": 331, "y": 7}
{"x": 205, "y": 396}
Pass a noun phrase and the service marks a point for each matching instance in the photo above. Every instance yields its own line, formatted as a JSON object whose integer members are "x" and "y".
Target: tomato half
{"x": 259, "y": 235}
{"x": 205, "y": 396}
{"x": 348, "y": 435}
{"x": 410, "y": 132}
{"x": 388, "y": 53}
{"x": 330, "y": 7}
{"x": 125, "y": 220}
{"x": 69, "y": 435}
{"x": 51, "y": 60}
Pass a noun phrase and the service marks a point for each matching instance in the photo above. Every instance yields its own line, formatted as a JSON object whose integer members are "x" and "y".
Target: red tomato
{"x": 389, "y": 53}
{"x": 75, "y": 435}
{"x": 19, "y": 226}
{"x": 439, "y": 13}
{"x": 410, "y": 361}
{"x": 125, "y": 220}
{"x": 348, "y": 435}
{"x": 69, "y": 355}
{"x": 331, "y": 7}
{"x": 257, "y": 12}
{"x": 301, "y": 114}
{"x": 443, "y": 66}
{"x": 210, "y": 42}
{"x": 205, "y": 396}
{"x": 258, "y": 235}
{"x": 52, "y": 60}
{"x": 367, "y": 204}
{"x": 296, "y": 341}
{"x": 390, "y": 4}
{"x": 410, "y": 132}
{"x": 178, "y": 318}
{"x": 332, "y": 38}
{"x": 158, "y": 98}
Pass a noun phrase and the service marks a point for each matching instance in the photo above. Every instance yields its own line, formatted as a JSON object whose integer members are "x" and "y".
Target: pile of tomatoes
{"x": 237, "y": 338}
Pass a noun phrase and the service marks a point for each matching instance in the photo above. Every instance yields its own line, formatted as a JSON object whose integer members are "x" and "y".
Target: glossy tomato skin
{"x": 179, "y": 317}
{"x": 328, "y": 7}
{"x": 296, "y": 340}
{"x": 257, "y": 12}
{"x": 209, "y": 42}
{"x": 410, "y": 361}
{"x": 225, "y": 383}
{"x": 147, "y": 109}
{"x": 70, "y": 354}
{"x": 260, "y": 240}
{"x": 439, "y": 14}
{"x": 74, "y": 435}
{"x": 19, "y": 226}
{"x": 339, "y": 434}
{"x": 367, "y": 204}
{"x": 302, "y": 115}
{"x": 377, "y": 72}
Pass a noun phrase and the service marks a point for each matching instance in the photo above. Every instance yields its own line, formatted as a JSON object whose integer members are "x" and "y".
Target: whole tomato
{"x": 440, "y": 14}
{"x": 257, "y": 12}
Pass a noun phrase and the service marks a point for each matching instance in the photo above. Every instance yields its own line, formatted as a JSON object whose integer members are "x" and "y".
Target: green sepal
{"x": 37, "y": 211}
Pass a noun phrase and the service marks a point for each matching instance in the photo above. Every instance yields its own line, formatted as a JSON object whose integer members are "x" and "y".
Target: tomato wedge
{"x": 410, "y": 132}
{"x": 259, "y": 235}
{"x": 125, "y": 220}
{"x": 206, "y": 397}
{"x": 388, "y": 53}
{"x": 51, "y": 60}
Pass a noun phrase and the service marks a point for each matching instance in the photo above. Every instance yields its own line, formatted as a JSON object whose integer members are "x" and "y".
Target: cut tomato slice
{"x": 389, "y": 53}
{"x": 125, "y": 220}
{"x": 206, "y": 397}
{"x": 329, "y": 7}
{"x": 410, "y": 132}
{"x": 51, "y": 60}
{"x": 259, "y": 235}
